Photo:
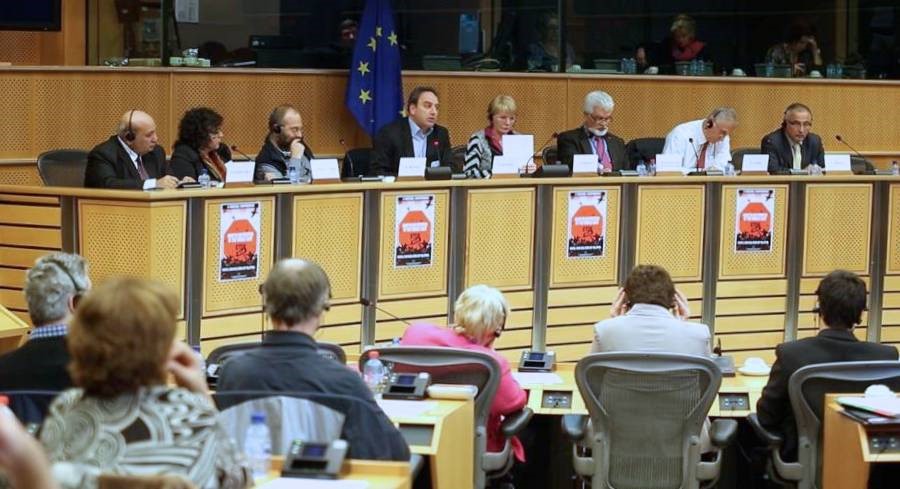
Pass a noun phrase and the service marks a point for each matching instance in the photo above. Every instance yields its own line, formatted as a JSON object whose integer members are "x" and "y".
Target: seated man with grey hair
{"x": 53, "y": 287}
{"x": 593, "y": 136}
{"x": 296, "y": 296}
{"x": 705, "y": 143}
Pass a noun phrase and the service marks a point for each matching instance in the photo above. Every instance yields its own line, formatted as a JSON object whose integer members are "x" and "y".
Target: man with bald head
{"x": 131, "y": 159}
{"x": 296, "y": 296}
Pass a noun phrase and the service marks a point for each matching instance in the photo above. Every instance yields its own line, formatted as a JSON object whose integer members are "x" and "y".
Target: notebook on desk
{"x": 888, "y": 407}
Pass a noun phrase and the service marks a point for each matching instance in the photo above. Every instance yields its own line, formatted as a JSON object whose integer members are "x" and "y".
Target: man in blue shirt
{"x": 417, "y": 135}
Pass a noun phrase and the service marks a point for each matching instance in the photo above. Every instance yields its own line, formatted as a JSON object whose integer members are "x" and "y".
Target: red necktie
{"x": 701, "y": 160}
{"x": 141, "y": 170}
{"x": 602, "y": 154}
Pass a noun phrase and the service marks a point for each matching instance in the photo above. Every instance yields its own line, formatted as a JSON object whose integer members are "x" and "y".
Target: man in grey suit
{"x": 793, "y": 145}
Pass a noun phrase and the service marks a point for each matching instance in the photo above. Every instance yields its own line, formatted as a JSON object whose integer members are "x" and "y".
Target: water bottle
{"x": 200, "y": 358}
{"x": 293, "y": 174}
{"x": 373, "y": 372}
{"x": 729, "y": 169}
{"x": 895, "y": 168}
{"x": 623, "y": 66}
{"x": 203, "y": 178}
{"x": 632, "y": 66}
{"x": 642, "y": 169}
{"x": 258, "y": 445}
{"x": 814, "y": 169}
{"x": 770, "y": 69}
{"x": 651, "y": 169}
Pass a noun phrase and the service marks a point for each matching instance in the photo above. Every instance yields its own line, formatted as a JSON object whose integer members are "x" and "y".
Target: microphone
{"x": 696, "y": 154}
{"x": 541, "y": 151}
{"x": 436, "y": 145}
{"x": 368, "y": 303}
{"x": 349, "y": 158}
{"x": 235, "y": 148}
{"x": 857, "y": 153}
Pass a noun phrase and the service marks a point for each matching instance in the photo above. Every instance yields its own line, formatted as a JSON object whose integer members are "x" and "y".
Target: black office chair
{"x": 220, "y": 355}
{"x": 550, "y": 155}
{"x": 647, "y": 411}
{"x": 643, "y": 149}
{"x": 458, "y": 366}
{"x": 357, "y": 163}
{"x": 458, "y": 158}
{"x": 30, "y": 406}
{"x": 332, "y": 351}
{"x": 807, "y": 388}
{"x": 737, "y": 156}
{"x": 62, "y": 167}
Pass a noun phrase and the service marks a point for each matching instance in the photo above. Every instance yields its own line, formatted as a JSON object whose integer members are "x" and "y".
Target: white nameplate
{"x": 239, "y": 171}
{"x": 584, "y": 164}
{"x": 411, "y": 168}
{"x": 755, "y": 163}
{"x": 837, "y": 163}
{"x": 325, "y": 169}
{"x": 506, "y": 164}
{"x": 668, "y": 163}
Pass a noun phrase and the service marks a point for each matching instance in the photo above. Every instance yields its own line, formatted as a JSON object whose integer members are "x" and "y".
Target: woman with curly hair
{"x": 200, "y": 145}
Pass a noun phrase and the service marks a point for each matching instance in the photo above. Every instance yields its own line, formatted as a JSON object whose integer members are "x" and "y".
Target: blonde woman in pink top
{"x": 480, "y": 313}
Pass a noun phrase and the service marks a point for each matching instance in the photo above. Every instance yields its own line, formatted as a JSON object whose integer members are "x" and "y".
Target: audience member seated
{"x": 296, "y": 297}
{"x": 284, "y": 147}
{"x": 200, "y": 146}
{"x": 680, "y": 45}
{"x": 23, "y": 463}
{"x": 705, "y": 143}
{"x": 53, "y": 287}
{"x": 793, "y": 146}
{"x": 480, "y": 313}
{"x": 123, "y": 418}
{"x": 801, "y": 50}
{"x": 841, "y": 300}
{"x": 593, "y": 137}
{"x": 417, "y": 135}
{"x": 131, "y": 159}
{"x": 543, "y": 55}
{"x": 488, "y": 142}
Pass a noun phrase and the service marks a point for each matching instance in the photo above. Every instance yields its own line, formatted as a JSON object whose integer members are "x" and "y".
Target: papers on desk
{"x": 883, "y": 406}
{"x": 405, "y": 409}
{"x": 294, "y": 483}
{"x": 537, "y": 378}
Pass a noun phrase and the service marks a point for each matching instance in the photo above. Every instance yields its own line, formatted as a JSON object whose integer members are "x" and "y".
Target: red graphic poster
{"x": 587, "y": 224}
{"x": 754, "y": 220}
{"x": 414, "y": 231}
{"x": 239, "y": 248}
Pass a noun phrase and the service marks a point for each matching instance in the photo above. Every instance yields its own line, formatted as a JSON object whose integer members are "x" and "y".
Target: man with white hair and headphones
{"x": 703, "y": 144}
{"x": 53, "y": 287}
{"x": 593, "y": 137}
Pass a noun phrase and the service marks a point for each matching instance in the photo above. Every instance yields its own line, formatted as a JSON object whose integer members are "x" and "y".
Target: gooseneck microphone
{"x": 696, "y": 154}
{"x": 349, "y": 157}
{"x": 857, "y": 153}
{"x": 541, "y": 151}
{"x": 238, "y": 151}
{"x": 368, "y": 303}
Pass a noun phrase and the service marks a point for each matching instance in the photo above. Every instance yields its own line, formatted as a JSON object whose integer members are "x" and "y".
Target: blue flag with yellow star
{"x": 374, "y": 91}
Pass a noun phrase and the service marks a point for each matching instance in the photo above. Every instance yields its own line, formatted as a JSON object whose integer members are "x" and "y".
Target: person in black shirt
{"x": 284, "y": 147}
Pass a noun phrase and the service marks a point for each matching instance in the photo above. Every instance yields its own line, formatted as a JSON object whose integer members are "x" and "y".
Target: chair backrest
{"x": 643, "y": 149}
{"x": 458, "y": 158}
{"x": 30, "y": 406}
{"x": 221, "y": 354}
{"x": 647, "y": 411}
{"x": 357, "y": 162}
{"x": 550, "y": 155}
{"x": 807, "y": 388}
{"x": 737, "y": 156}
{"x": 332, "y": 351}
{"x": 451, "y": 366}
{"x": 63, "y": 167}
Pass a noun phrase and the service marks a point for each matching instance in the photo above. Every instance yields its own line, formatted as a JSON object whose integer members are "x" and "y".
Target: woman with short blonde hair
{"x": 480, "y": 313}
{"x": 488, "y": 142}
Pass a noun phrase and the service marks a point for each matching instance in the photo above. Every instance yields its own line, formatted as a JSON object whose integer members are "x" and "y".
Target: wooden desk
{"x": 378, "y": 474}
{"x": 846, "y": 457}
{"x": 444, "y": 432}
{"x": 12, "y": 330}
{"x": 568, "y": 390}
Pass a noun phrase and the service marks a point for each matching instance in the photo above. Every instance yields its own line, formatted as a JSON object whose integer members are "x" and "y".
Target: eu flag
{"x": 374, "y": 91}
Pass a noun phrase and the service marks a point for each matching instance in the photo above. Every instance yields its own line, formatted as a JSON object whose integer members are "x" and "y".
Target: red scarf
{"x": 494, "y": 139}
{"x": 688, "y": 52}
{"x": 215, "y": 164}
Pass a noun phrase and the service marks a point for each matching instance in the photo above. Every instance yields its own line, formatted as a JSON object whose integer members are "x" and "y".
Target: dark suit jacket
{"x": 39, "y": 364}
{"x": 831, "y": 345}
{"x": 109, "y": 166}
{"x": 394, "y": 141}
{"x": 269, "y": 154}
{"x": 186, "y": 161}
{"x": 578, "y": 142}
{"x": 781, "y": 158}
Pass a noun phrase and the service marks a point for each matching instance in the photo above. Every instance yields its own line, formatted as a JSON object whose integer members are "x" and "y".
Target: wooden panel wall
{"x": 65, "y": 47}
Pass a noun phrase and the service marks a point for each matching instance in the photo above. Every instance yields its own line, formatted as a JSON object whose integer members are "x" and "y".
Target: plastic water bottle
{"x": 293, "y": 174}
{"x": 200, "y": 358}
{"x": 258, "y": 445}
{"x": 770, "y": 69}
{"x": 895, "y": 168}
{"x": 729, "y": 169}
{"x": 642, "y": 169}
{"x": 651, "y": 169}
{"x": 814, "y": 169}
{"x": 373, "y": 372}
{"x": 203, "y": 178}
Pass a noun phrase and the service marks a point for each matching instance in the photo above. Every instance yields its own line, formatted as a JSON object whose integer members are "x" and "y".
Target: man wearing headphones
{"x": 131, "y": 159}
{"x": 703, "y": 144}
{"x": 284, "y": 147}
{"x": 793, "y": 146}
{"x": 52, "y": 289}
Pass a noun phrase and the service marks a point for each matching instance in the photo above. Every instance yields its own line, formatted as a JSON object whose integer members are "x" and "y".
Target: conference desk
{"x": 443, "y": 431}
{"x": 848, "y": 452}
{"x": 376, "y": 474}
{"x": 556, "y": 393}
{"x": 516, "y": 234}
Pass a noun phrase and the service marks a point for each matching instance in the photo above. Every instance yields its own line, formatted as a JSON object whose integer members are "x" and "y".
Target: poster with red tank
{"x": 239, "y": 246}
{"x": 587, "y": 224}
{"x": 754, "y": 220}
{"x": 414, "y": 231}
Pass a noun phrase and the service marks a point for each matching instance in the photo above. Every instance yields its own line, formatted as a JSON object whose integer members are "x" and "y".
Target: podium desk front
{"x": 850, "y": 448}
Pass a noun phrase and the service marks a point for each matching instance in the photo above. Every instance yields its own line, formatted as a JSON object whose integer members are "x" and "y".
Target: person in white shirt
{"x": 703, "y": 144}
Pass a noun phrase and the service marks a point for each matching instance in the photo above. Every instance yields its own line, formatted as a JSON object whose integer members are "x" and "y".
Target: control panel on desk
{"x": 884, "y": 442}
{"x": 557, "y": 400}
{"x": 734, "y": 401}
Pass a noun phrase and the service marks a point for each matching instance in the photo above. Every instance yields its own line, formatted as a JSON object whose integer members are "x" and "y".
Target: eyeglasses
{"x": 805, "y": 124}
{"x": 598, "y": 119}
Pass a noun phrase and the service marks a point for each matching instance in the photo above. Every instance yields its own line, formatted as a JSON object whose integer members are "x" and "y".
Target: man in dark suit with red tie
{"x": 593, "y": 137}
{"x": 793, "y": 146}
{"x": 417, "y": 135}
{"x": 131, "y": 159}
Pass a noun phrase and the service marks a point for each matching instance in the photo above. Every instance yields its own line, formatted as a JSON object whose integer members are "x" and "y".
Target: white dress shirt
{"x": 149, "y": 183}
{"x": 678, "y": 142}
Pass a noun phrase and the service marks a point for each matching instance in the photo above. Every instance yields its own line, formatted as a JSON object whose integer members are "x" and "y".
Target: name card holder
{"x": 668, "y": 165}
{"x": 505, "y": 166}
{"x": 837, "y": 165}
{"x": 325, "y": 171}
{"x": 584, "y": 165}
{"x": 411, "y": 169}
{"x": 755, "y": 164}
{"x": 239, "y": 174}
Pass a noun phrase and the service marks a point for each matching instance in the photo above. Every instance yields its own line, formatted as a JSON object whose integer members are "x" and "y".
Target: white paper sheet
{"x": 396, "y": 408}
{"x": 297, "y": 483}
{"x": 518, "y": 146}
{"x": 755, "y": 163}
{"x": 536, "y": 378}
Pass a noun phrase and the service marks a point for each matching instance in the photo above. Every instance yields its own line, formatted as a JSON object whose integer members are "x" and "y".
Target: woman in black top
{"x": 200, "y": 145}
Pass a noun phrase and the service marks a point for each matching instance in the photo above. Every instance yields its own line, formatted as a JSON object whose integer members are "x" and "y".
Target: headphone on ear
{"x": 276, "y": 128}
{"x": 129, "y": 133}
{"x": 708, "y": 124}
